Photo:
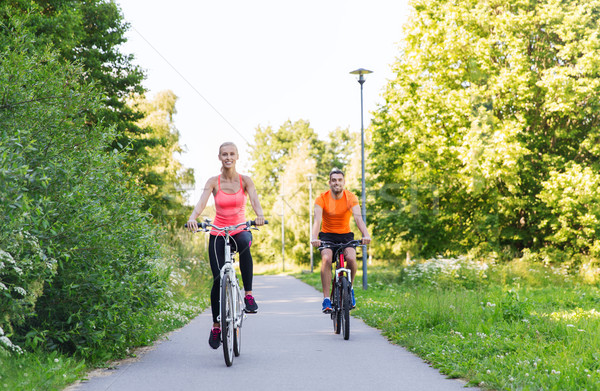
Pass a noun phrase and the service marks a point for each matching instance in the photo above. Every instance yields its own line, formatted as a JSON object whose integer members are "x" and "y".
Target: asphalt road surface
{"x": 288, "y": 345}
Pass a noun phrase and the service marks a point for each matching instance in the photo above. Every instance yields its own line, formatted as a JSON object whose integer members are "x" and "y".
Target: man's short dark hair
{"x": 335, "y": 170}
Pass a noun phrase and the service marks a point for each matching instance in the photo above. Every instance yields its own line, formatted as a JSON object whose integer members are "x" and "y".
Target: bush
{"x": 24, "y": 267}
{"x": 446, "y": 273}
{"x": 574, "y": 210}
{"x": 64, "y": 198}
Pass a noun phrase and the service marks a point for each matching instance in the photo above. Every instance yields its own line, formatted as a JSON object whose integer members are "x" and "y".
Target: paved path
{"x": 288, "y": 345}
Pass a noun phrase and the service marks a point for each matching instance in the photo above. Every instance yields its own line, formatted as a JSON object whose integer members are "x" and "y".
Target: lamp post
{"x": 282, "y": 228}
{"x": 310, "y": 178}
{"x": 361, "y": 80}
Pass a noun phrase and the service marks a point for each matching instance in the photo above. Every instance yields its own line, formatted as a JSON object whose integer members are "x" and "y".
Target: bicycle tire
{"x": 336, "y": 315}
{"x": 237, "y": 332}
{"x": 227, "y": 315}
{"x": 345, "y": 307}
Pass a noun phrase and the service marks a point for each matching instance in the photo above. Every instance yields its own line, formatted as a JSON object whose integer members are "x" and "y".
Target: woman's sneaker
{"x": 353, "y": 300}
{"x": 214, "y": 340}
{"x": 251, "y": 306}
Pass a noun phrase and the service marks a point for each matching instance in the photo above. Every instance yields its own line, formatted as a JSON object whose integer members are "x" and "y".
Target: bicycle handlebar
{"x": 203, "y": 226}
{"x": 331, "y": 245}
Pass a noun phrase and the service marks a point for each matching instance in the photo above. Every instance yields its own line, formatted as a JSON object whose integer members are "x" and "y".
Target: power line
{"x": 191, "y": 85}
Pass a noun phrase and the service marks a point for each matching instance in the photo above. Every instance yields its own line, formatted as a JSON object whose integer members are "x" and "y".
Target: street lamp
{"x": 310, "y": 206}
{"x": 361, "y": 72}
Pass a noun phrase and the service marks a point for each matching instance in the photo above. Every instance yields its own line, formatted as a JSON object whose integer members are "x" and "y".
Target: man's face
{"x": 336, "y": 183}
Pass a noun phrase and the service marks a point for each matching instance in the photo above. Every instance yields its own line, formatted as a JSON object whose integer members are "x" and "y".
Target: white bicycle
{"x": 231, "y": 315}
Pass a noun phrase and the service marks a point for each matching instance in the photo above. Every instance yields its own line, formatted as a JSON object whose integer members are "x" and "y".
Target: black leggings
{"x": 216, "y": 247}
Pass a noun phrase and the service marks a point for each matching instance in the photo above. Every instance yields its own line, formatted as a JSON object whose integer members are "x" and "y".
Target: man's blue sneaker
{"x": 353, "y": 299}
{"x": 326, "y": 305}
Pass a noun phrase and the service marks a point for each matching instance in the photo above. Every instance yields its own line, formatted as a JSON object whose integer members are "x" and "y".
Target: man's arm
{"x": 316, "y": 226}
{"x": 366, "y": 239}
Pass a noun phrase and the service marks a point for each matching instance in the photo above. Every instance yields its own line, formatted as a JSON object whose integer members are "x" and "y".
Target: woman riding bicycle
{"x": 229, "y": 190}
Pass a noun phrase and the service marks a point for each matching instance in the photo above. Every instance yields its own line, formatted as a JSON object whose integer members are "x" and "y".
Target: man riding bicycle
{"x": 334, "y": 208}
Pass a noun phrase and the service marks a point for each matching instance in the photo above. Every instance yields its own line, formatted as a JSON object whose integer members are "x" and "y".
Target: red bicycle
{"x": 341, "y": 287}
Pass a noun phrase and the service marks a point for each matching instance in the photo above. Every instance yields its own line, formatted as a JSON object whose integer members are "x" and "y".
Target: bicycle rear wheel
{"x": 227, "y": 315}
{"x": 345, "y": 307}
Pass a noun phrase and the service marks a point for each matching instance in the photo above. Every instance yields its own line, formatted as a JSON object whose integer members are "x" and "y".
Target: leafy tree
{"x": 488, "y": 100}
{"x": 574, "y": 204}
{"x": 294, "y": 204}
{"x": 79, "y": 252}
{"x": 281, "y": 161}
{"x": 162, "y": 177}
{"x": 271, "y": 151}
{"x": 91, "y": 33}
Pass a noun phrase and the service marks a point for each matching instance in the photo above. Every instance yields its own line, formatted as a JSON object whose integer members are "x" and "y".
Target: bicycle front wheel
{"x": 336, "y": 314}
{"x": 237, "y": 331}
{"x": 227, "y": 315}
{"x": 345, "y": 307}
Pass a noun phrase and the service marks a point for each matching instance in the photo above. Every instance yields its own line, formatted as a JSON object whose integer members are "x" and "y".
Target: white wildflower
{"x": 20, "y": 291}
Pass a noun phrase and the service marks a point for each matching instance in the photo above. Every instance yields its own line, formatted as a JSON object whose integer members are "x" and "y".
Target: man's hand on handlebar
{"x": 315, "y": 242}
{"x": 365, "y": 240}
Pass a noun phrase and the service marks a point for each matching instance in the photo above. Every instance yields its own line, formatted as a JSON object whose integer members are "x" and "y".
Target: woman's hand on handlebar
{"x": 260, "y": 220}
{"x": 192, "y": 225}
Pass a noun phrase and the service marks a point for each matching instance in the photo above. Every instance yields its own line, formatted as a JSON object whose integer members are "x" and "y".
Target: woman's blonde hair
{"x": 227, "y": 143}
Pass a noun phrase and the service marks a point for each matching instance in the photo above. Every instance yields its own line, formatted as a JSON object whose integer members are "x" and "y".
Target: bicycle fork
{"x": 343, "y": 269}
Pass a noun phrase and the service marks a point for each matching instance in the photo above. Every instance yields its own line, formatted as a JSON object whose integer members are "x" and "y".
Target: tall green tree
{"x": 281, "y": 161}
{"x": 77, "y": 269}
{"x": 488, "y": 100}
{"x": 163, "y": 179}
{"x": 91, "y": 33}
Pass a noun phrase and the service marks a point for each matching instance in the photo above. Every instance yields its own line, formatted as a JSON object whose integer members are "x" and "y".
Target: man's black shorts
{"x": 336, "y": 238}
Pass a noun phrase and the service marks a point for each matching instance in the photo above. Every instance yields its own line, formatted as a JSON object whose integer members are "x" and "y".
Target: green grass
{"x": 518, "y": 326}
{"x": 190, "y": 277}
{"x": 512, "y": 328}
{"x": 39, "y": 371}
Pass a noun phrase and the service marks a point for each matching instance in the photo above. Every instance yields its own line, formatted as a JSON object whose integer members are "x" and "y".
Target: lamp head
{"x": 360, "y": 72}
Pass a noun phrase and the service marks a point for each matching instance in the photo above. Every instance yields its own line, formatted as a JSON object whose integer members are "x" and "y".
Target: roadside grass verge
{"x": 503, "y": 327}
{"x": 36, "y": 369}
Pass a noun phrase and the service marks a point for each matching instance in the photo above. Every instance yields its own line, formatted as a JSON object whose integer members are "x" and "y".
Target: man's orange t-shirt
{"x": 336, "y": 213}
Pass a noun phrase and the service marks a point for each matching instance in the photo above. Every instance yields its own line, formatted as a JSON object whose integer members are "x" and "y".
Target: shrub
{"x": 64, "y": 198}
{"x": 574, "y": 210}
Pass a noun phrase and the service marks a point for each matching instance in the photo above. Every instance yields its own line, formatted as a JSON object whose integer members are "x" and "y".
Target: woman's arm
{"x": 250, "y": 189}
{"x": 192, "y": 224}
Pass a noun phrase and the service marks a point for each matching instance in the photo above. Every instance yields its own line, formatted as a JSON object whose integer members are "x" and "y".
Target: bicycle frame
{"x": 341, "y": 270}
{"x": 339, "y": 258}
{"x": 229, "y": 269}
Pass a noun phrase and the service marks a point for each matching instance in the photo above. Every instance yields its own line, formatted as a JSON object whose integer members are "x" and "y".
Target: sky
{"x": 236, "y": 65}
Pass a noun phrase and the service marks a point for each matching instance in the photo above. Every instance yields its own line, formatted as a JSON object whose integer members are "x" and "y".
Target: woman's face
{"x": 228, "y": 156}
